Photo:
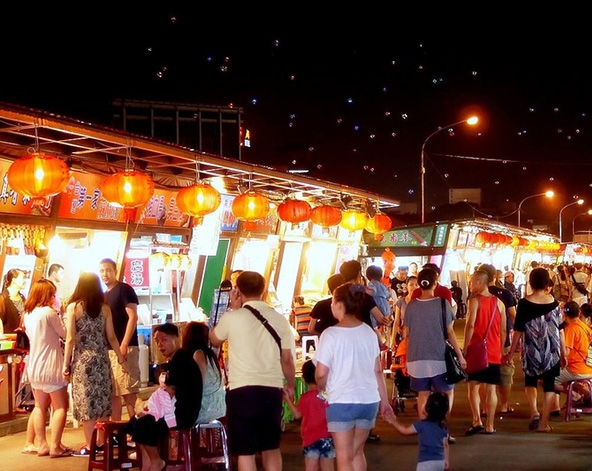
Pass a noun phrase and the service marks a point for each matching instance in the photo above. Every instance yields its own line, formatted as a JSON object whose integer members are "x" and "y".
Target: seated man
{"x": 577, "y": 338}
{"x": 183, "y": 377}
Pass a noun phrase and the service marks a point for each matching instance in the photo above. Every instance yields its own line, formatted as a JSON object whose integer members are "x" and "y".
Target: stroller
{"x": 24, "y": 399}
{"x": 401, "y": 388}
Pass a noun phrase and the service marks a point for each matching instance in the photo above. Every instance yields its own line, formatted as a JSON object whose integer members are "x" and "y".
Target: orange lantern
{"x": 198, "y": 200}
{"x": 353, "y": 220}
{"x": 127, "y": 189}
{"x": 38, "y": 175}
{"x": 378, "y": 224}
{"x": 482, "y": 237}
{"x": 250, "y": 206}
{"x": 326, "y": 216}
{"x": 294, "y": 211}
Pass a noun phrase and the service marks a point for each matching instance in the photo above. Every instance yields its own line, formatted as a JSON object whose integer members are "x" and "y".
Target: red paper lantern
{"x": 38, "y": 175}
{"x": 294, "y": 211}
{"x": 127, "y": 189}
{"x": 198, "y": 200}
{"x": 326, "y": 216}
{"x": 250, "y": 206}
{"x": 482, "y": 237}
{"x": 378, "y": 224}
{"x": 353, "y": 220}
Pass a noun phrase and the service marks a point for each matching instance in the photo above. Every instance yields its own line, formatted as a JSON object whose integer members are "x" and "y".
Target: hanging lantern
{"x": 326, "y": 216}
{"x": 294, "y": 211}
{"x": 198, "y": 200}
{"x": 127, "y": 189}
{"x": 353, "y": 220}
{"x": 378, "y": 224}
{"x": 250, "y": 206}
{"x": 38, "y": 175}
{"x": 482, "y": 237}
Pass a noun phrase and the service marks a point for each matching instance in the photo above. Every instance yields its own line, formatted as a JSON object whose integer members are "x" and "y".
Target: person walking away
{"x": 382, "y": 297}
{"x": 486, "y": 319}
{"x": 44, "y": 367}
{"x": 348, "y": 368}
{"x": 426, "y": 344}
{"x": 578, "y": 337}
{"x": 543, "y": 346}
{"x": 579, "y": 278}
{"x": 432, "y": 433}
{"x": 317, "y": 443}
{"x": 123, "y": 302}
{"x": 506, "y": 371}
{"x": 259, "y": 361}
{"x": 195, "y": 339}
{"x": 321, "y": 316}
{"x": 86, "y": 355}
{"x": 182, "y": 379}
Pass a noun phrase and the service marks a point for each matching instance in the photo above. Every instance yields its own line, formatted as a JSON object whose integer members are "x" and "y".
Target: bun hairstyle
{"x": 427, "y": 278}
{"x": 352, "y": 296}
{"x": 571, "y": 309}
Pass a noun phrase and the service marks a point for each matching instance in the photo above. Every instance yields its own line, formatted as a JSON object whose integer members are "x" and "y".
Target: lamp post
{"x": 471, "y": 121}
{"x": 580, "y": 201}
{"x": 573, "y": 222}
{"x": 548, "y": 194}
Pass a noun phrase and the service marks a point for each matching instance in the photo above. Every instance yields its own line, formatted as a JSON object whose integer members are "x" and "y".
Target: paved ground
{"x": 568, "y": 448}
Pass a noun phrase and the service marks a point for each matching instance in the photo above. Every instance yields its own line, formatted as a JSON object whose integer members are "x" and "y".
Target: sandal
{"x": 534, "y": 422}
{"x": 473, "y": 429}
{"x": 509, "y": 410}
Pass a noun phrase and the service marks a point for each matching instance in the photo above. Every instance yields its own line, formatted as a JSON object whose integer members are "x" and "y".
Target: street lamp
{"x": 580, "y": 201}
{"x": 548, "y": 194}
{"x": 573, "y": 222}
{"x": 471, "y": 121}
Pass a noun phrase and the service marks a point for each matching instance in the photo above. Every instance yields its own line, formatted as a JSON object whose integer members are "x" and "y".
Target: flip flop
{"x": 509, "y": 410}
{"x": 549, "y": 429}
{"x": 43, "y": 453}
{"x": 473, "y": 429}
{"x": 62, "y": 454}
{"x": 534, "y": 422}
{"x": 29, "y": 451}
{"x": 487, "y": 432}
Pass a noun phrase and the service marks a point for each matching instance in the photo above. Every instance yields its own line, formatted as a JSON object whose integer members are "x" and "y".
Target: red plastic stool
{"x": 112, "y": 457}
{"x": 177, "y": 450}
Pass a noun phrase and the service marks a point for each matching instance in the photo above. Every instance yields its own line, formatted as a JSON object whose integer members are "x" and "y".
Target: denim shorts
{"x": 342, "y": 417}
{"x": 435, "y": 383}
{"x": 322, "y": 448}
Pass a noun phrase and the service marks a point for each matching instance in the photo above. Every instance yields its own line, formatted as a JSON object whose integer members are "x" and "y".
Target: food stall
{"x": 458, "y": 246}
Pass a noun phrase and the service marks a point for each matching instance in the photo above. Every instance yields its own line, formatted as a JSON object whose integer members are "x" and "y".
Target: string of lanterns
{"x": 41, "y": 175}
{"x": 483, "y": 238}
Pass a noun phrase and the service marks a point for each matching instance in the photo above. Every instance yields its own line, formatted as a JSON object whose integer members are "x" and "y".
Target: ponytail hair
{"x": 427, "y": 278}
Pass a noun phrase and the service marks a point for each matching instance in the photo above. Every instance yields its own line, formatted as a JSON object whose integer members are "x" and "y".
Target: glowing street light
{"x": 580, "y": 202}
{"x": 573, "y": 222}
{"x": 471, "y": 121}
{"x": 548, "y": 194}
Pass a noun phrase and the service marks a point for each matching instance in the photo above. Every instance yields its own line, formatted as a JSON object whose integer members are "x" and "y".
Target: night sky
{"x": 349, "y": 93}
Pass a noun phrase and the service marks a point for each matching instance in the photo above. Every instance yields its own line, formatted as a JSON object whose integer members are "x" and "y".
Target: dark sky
{"x": 349, "y": 92}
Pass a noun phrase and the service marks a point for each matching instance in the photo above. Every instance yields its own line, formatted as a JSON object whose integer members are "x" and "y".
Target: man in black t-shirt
{"x": 321, "y": 315}
{"x": 123, "y": 301}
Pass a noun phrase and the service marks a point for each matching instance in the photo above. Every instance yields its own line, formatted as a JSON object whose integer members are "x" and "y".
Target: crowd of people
{"x": 92, "y": 343}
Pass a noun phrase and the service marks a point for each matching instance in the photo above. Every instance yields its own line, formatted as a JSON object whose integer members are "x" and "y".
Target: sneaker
{"x": 84, "y": 452}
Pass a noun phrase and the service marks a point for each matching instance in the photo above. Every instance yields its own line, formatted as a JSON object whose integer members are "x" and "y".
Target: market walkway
{"x": 513, "y": 447}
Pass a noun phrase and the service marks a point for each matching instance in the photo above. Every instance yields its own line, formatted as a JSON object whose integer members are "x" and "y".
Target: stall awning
{"x": 98, "y": 149}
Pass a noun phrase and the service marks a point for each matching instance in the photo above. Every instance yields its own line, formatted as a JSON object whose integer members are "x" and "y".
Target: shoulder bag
{"x": 454, "y": 373}
{"x": 266, "y": 324}
{"x": 477, "y": 352}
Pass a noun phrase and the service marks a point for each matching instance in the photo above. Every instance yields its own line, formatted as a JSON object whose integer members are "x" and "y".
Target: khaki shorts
{"x": 126, "y": 383}
{"x": 507, "y": 374}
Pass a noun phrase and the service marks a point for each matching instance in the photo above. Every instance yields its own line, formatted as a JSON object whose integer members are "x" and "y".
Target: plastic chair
{"x": 570, "y": 408}
{"x": 307, "y": 342}
{"x": 177, "y": 450}
{"x": 213, "y": 444}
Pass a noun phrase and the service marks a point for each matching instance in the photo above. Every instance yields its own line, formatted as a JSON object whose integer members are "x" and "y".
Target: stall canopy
{"x": 102, "y": 150}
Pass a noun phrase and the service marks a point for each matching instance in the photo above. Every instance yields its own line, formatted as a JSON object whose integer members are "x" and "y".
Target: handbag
{"x": 476, "y": 355}
{"x": 454, "y": 373}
